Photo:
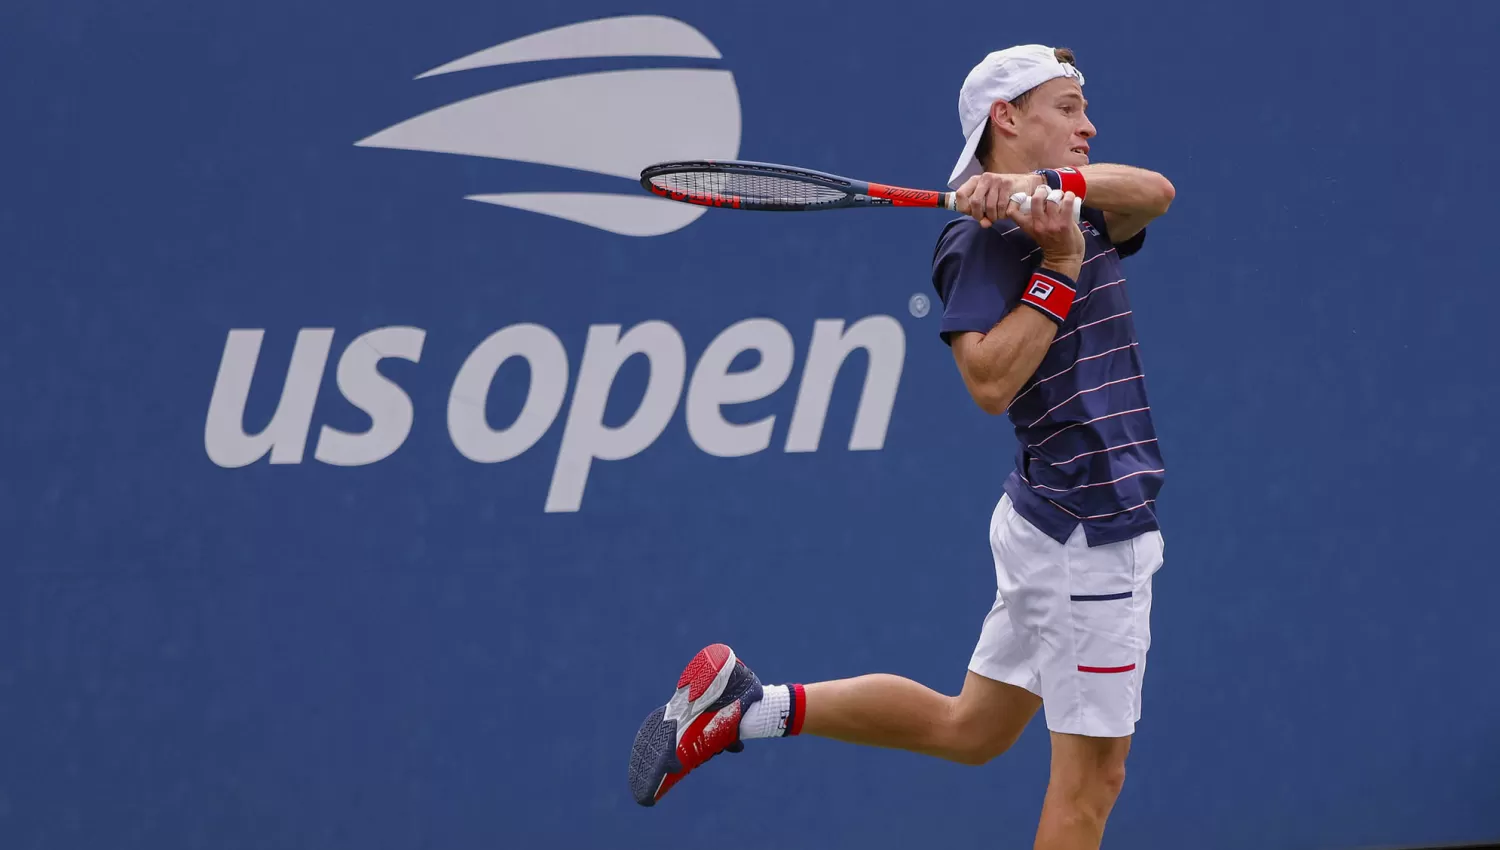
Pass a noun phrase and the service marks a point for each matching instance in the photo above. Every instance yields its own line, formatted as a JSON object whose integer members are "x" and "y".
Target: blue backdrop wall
{"x": 365, "y": 480}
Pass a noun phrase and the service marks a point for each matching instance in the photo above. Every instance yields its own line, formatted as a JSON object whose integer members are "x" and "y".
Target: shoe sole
{"x": 654, "y": 757}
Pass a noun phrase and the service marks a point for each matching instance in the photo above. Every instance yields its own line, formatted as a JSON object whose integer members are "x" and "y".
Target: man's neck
{"x": 1001, "y": 163}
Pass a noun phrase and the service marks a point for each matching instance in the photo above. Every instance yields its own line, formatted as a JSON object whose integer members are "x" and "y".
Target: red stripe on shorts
{"x": 1126, "y": 669}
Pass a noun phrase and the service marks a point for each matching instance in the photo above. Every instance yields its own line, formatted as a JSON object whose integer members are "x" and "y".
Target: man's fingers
{"x": 1016, "y": 212}
{"x": 1059, "y": 207}
{"x": 1046, "y": 215}
{"x": 965, "y": 194}
{"x": 979, "y": 206}
{"x": 1069, "y": 210}
{"x": 981, "y": 203}
{"x": 1055, "y": 215}
{"x": 1067, "y": 207}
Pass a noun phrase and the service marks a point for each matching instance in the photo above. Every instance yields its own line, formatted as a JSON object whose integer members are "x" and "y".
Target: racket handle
{"x": 950, "y": 201}
{"x": 1055, "y": 196}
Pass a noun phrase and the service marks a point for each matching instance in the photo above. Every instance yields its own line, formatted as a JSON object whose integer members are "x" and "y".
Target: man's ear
{"x": 1003, "y": 117}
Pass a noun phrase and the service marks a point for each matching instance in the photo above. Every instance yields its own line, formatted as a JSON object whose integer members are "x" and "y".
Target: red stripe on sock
{"x": 799, "y": 710}
{"x": 1126, "y": 669}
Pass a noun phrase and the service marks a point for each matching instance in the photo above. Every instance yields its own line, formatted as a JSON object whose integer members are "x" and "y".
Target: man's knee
{"x": 1109, "y": 778}
{"x": 984, "y": 720}
{"x": 1091, "y": 769}
{"x": 974, "y": 739}
{"x": 975, "y": 752}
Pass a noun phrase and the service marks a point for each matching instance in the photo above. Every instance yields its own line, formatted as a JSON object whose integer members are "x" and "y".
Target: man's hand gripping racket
{"x": 986, "y": 196}
{"x": 1050, "y": 218}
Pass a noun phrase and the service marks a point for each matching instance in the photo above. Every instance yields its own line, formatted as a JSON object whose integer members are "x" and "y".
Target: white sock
{"x": 767, "y": 718}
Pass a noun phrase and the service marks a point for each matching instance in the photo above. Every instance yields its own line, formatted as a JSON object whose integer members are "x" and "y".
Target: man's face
{"x": 1052, "y": 128}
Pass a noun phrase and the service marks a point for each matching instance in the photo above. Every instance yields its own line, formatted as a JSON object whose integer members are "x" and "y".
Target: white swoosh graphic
{"x": 645, "y": 35}
{"x": 616, "y": 122}
{"x": 626, "y": 215}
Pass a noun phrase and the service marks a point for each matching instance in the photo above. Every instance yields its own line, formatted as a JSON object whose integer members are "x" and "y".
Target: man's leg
{"x": 882, "y": 710}
{"x": 1087, "y": 775}
{"x": 719, "y": 703}
{"x": 998, "y": 699}
{"x": 1099, "y": 633}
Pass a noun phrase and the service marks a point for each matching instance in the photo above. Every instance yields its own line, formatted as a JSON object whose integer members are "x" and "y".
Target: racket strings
{"x": 757, "y": 188}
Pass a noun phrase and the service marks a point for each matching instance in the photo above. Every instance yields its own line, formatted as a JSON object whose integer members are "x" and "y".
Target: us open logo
{"x": 556, "y": 121}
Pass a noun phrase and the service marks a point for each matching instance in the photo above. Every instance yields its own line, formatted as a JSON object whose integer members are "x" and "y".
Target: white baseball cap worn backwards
{"x": 1002, "y": 75}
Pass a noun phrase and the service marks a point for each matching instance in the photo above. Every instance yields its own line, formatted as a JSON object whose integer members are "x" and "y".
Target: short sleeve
{"x": 1122, "y": 249}
{"x": 1131, "y": 245}
{"x": 978, "y": 275}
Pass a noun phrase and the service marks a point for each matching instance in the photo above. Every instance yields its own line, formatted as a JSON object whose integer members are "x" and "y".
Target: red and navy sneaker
{"x": 701, "y": 720}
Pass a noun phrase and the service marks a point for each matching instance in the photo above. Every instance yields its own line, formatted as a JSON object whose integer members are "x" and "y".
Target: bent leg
{"x": 999, "y": 696}
{"x": 882, "y": 710}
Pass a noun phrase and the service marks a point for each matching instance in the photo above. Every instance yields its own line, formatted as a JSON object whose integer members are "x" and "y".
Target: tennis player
{"x": 1036, "y": 314}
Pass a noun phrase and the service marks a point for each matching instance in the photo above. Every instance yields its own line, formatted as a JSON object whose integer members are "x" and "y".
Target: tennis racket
{"x": 764, "y": 186}
{"x": 777, "y": 188}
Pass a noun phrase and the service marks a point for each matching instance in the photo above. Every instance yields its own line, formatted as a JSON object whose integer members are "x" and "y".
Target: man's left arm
{"x": 1129, "y": 197}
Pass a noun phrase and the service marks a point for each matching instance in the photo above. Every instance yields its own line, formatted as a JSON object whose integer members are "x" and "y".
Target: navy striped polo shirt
{"x": 1087, "y": 451}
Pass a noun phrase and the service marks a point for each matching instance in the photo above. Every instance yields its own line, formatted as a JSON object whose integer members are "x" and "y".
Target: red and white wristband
{"x": 1066, "y": 180}
{"x": 1051, "y": 293}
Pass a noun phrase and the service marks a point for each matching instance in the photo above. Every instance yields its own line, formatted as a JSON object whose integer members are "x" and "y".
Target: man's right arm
{"x": 995, "y": 364}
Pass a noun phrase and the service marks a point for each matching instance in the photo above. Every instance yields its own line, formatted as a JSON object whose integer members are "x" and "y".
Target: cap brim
{"x": 968, "y": 165}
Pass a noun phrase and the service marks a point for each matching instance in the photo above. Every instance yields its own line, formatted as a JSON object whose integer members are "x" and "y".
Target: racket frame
{"x": 857, "y": 193}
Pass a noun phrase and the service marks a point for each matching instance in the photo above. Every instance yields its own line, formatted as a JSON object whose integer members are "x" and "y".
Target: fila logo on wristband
{"x": 1050, "y": 294}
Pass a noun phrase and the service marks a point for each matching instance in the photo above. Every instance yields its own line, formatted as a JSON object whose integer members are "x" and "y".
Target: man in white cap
{"x": 1036, "y": 315}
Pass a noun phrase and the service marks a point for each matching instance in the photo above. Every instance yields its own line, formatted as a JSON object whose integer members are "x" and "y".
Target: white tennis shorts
{"x": 1070, "y": 623}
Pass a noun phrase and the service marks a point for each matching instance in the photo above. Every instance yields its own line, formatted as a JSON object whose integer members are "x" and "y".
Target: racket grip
{"x": 950, "y": 201}
{"x": 1055, "y": 195}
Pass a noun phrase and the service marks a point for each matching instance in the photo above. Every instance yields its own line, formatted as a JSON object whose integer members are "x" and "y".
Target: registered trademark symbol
{"x": 919, "y": 305}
